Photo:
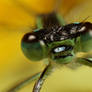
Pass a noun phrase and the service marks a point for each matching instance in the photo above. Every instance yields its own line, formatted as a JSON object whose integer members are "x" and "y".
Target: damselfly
{"x": 59, "y": 43}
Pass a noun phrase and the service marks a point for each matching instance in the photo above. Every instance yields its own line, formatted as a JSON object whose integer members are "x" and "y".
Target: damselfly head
{"x": 57, "y": 42}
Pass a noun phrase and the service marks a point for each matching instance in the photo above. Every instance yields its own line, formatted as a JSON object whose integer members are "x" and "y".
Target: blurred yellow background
{"x": 14, "y": 66}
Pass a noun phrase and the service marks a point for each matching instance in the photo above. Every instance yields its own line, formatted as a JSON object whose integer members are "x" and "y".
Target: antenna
{"x": 84, "y": 21}
{"x": 85, "y": 18}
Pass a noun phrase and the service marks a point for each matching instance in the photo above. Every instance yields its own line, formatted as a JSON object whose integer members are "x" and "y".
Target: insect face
{"x": 56, "y": 43}
{"x": 62, "y": 52}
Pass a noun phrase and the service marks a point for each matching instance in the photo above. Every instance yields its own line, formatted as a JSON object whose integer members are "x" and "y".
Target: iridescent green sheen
{"x": 33, "y": 51}
{"x": 86, "y": 42}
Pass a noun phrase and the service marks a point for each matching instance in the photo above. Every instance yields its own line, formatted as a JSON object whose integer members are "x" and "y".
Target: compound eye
{"x": 32, "y": 47}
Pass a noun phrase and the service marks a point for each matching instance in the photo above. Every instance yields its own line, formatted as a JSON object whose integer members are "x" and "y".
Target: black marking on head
{"x": 62, "y": 56}
{"x": 58, "y": 33}
{"x": 30, "y": 37}
{"x": 34, "y": 36}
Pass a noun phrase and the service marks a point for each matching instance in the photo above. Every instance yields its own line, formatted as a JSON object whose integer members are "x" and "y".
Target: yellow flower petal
{"x": 14, "y": 21}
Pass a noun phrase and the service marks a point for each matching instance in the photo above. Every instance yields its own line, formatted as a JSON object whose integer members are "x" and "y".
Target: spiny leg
{"x": 90, "y": 61}
{"x": 45, "y": 73}
{"x": 24, "y": 83}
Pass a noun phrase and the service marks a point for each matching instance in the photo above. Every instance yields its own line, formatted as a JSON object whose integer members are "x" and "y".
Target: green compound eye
{"x": 32, "y": 47}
